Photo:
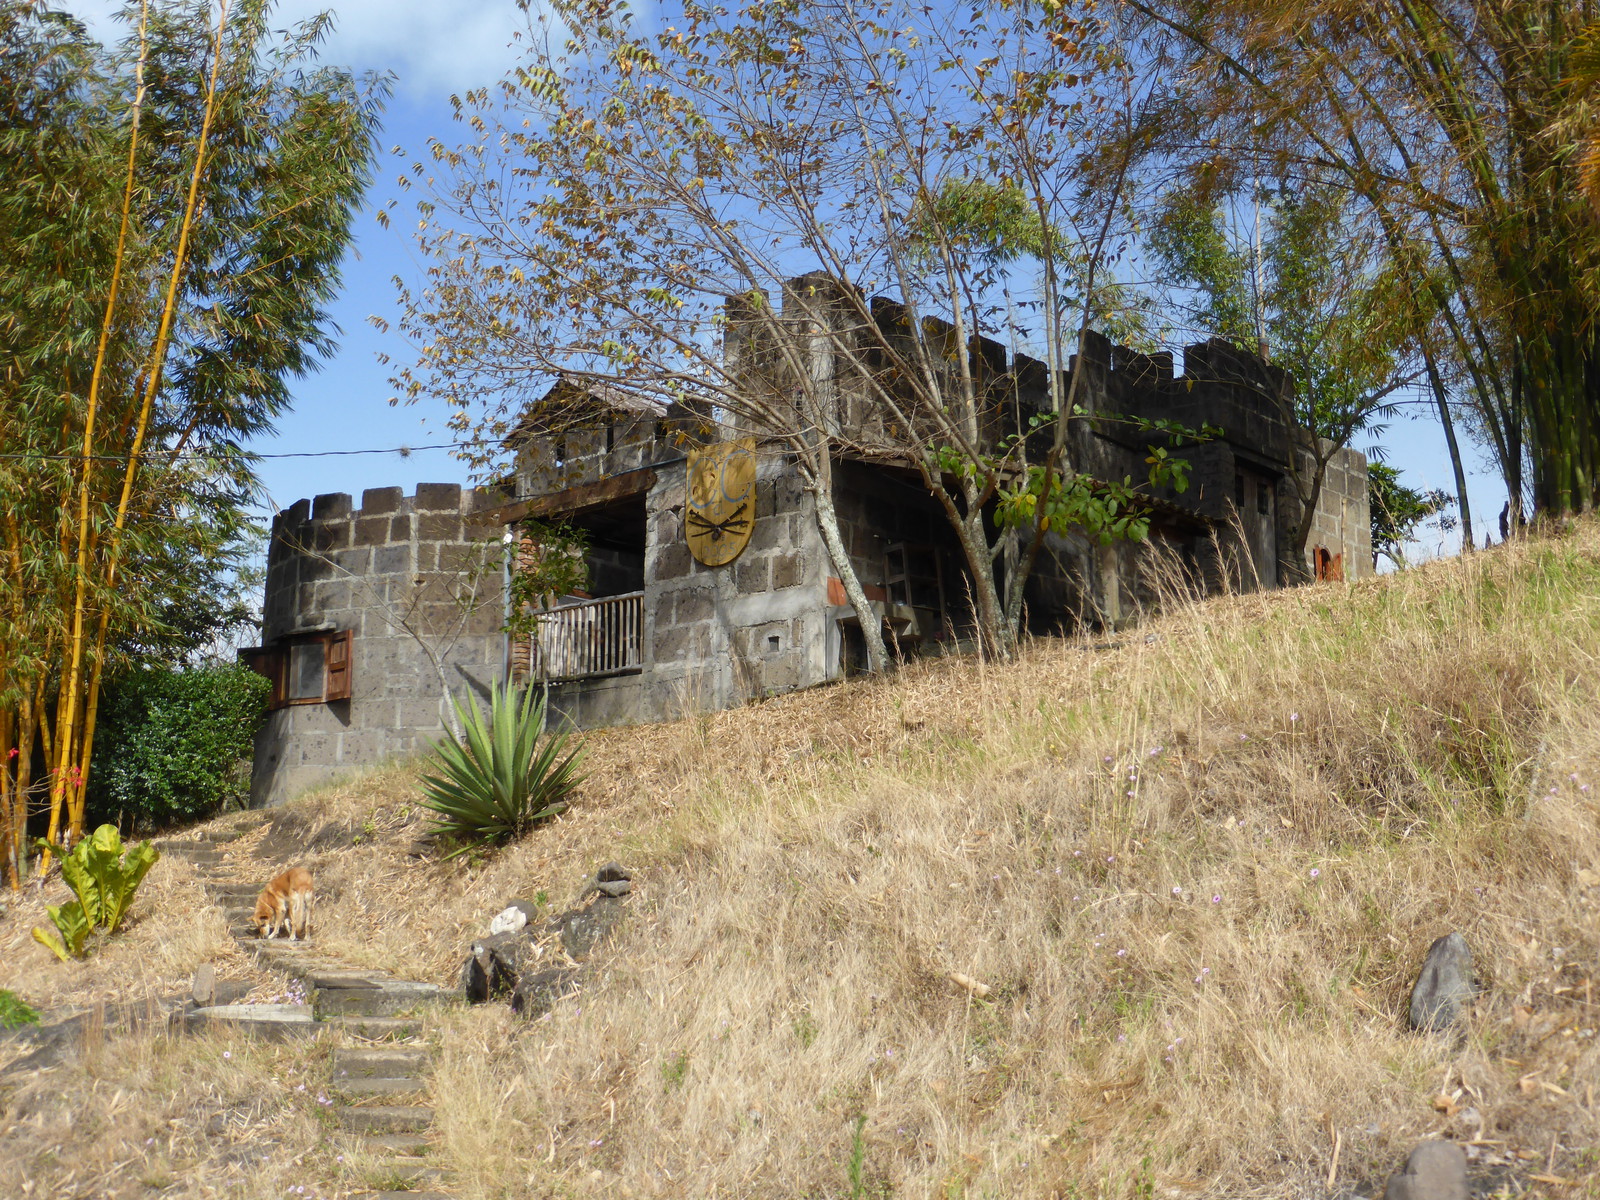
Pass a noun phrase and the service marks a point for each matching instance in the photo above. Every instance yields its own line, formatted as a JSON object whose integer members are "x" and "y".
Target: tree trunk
{"x": 1442, "y": 400}
{"x": 828, "y": 525}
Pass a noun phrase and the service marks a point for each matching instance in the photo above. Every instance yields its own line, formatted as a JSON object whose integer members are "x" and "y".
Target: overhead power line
{"x": 401, "y": 450}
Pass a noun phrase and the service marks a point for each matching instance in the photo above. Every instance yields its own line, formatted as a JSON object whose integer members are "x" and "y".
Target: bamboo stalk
{"x": 74, "y": 682}
{"x": 152, "y": 388}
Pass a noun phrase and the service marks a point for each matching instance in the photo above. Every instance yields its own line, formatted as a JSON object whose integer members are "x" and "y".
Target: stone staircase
{"x": 380, "y": 1073}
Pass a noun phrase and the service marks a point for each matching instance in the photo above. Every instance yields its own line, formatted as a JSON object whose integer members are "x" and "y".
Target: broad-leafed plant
{"x": 104, "y": 878}
{"x": 501, "y": 774}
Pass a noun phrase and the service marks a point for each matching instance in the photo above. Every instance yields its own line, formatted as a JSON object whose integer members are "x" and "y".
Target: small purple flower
{"x": 1294, "y": 716}
{"x": 1122, "y": 1037}
{"x": 1217, "y": 899}
{"x": 1113, "y": 857}
{"x": 1197, "y": 979}
{"x": 1244, "y": 737}
{"x": 227, "y": 1054}
{"x": 1123, "y": 953}
{"x": 1177, "y": 891}
{"x": 1315, "y": 871}
{"x": 1205, "y": 970}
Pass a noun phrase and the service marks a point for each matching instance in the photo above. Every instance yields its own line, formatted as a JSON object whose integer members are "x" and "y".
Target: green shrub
{"x": 174, "y": 745}
{"x": 104, "y": 880}
{"x": 500, "y": 776}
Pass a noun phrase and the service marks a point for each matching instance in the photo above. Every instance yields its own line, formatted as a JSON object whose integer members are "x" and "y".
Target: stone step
{"x": 406, "y": 1145}
{"x": 379, "y": 1064}
{"x": 380, "y": 1087}
{"x": 386, "y": 1118}
{"x": 274, "y": 1022}
{"x": 377, "y": 1029}
{"x": 333, "y": 977}
{"x": 195, "y": 852}
{"x": 233, "y": 887}
{"x": 410, "y": 1170}
{"x": 389, "y": 997}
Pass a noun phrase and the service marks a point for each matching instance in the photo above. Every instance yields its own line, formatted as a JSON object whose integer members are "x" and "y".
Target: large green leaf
{"x": 72, "y": 926}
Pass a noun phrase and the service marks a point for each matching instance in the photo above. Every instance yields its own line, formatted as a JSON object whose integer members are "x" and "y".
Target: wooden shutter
{"x": 269, "y": 662}
{"x": 337, "y": 686}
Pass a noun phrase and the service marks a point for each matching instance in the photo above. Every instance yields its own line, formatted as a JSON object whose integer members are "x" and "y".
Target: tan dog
{"x": 285, "y": 903}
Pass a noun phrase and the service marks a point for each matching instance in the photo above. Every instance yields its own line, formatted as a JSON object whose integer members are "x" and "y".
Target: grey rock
{"x": 1434, "y": 1171}
{"x": 614, "y": 887}
{"x": 204, "y": 991}
{"x": 536, "y": 994}
{"x": 497, "y": 963}
{"x": 612, "y": 872}
{"x": 526, "y": 907}
{"x": 583, "y": 929}
{"x": 1444, "y": 986}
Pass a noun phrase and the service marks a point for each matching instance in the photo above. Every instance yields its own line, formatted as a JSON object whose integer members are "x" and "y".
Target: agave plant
{"x": 499, "y": 776}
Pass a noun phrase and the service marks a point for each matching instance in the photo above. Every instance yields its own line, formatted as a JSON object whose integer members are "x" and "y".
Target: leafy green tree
{"x": 1435, "y": 117}
{"x": 1397, "y": 510}
{"x": 173, "y": 212}
{"x": 1311, "y": 293}
{"x": 630, "y": 206}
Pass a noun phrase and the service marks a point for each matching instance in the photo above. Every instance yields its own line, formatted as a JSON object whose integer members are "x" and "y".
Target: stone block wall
{"x": 412, "y": 578}
{"x": 714, "y": 637}
{"x": 1343, "y": 519}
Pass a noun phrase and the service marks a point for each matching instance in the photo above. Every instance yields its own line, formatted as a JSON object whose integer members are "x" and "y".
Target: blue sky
{"x": 437, "y": 49}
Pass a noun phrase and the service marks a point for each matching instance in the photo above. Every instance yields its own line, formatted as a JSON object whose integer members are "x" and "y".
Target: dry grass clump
{"x": 1196, "y": 875}
{"x": 141, "y": 1115}
{"x": 171, "y": 929}
{"x": 1193, "y": 874}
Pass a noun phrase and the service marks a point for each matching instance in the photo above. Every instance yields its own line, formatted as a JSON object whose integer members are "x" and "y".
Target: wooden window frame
{"x": 272, "y": 662}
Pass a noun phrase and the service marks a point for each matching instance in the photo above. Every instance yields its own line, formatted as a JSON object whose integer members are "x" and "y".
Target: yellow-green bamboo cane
{"x": 67, "y": 718}
{"x": 152, "y": 388}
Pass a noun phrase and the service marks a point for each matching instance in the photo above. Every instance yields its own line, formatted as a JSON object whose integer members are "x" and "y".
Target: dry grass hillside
{"x": 1195, "y": 865}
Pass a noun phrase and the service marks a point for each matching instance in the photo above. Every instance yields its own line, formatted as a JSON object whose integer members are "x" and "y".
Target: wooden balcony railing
{"x": 583, "y": 640}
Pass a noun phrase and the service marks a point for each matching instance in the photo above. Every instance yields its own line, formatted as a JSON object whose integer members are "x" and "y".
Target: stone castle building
{"x": 373, "y": 612}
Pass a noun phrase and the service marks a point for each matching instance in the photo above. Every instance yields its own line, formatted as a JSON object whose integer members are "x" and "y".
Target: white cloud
{"x": 434, "y": 47}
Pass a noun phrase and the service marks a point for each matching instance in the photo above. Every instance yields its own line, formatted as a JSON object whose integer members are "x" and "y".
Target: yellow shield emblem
{"x": 722, "y": 501}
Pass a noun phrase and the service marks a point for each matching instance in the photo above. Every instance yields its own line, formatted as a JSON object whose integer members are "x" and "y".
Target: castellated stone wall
{"x": 414, "y": 579}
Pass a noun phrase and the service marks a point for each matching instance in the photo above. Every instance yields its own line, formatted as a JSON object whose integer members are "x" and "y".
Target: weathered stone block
{"x": 298, "y": 512}
{"x": 334, "y": 535}
{"x": 392, "y": 560}
{"x": 769, "y": 534}
{"x": 439, "y": 527}
{"x": 356, "y": 560}
{"x": 372, "y": 531}
{"x": 400, "y": 528}
{"x": 375, "y": 501}
{"x": 438, "y": 496}
{"x": 330, "y": 506}
{"x": 691, "y": 605}
{"x": 671, "y": 561}
{"x": 788, "y": 570}
{"x": 752, "y": 575}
